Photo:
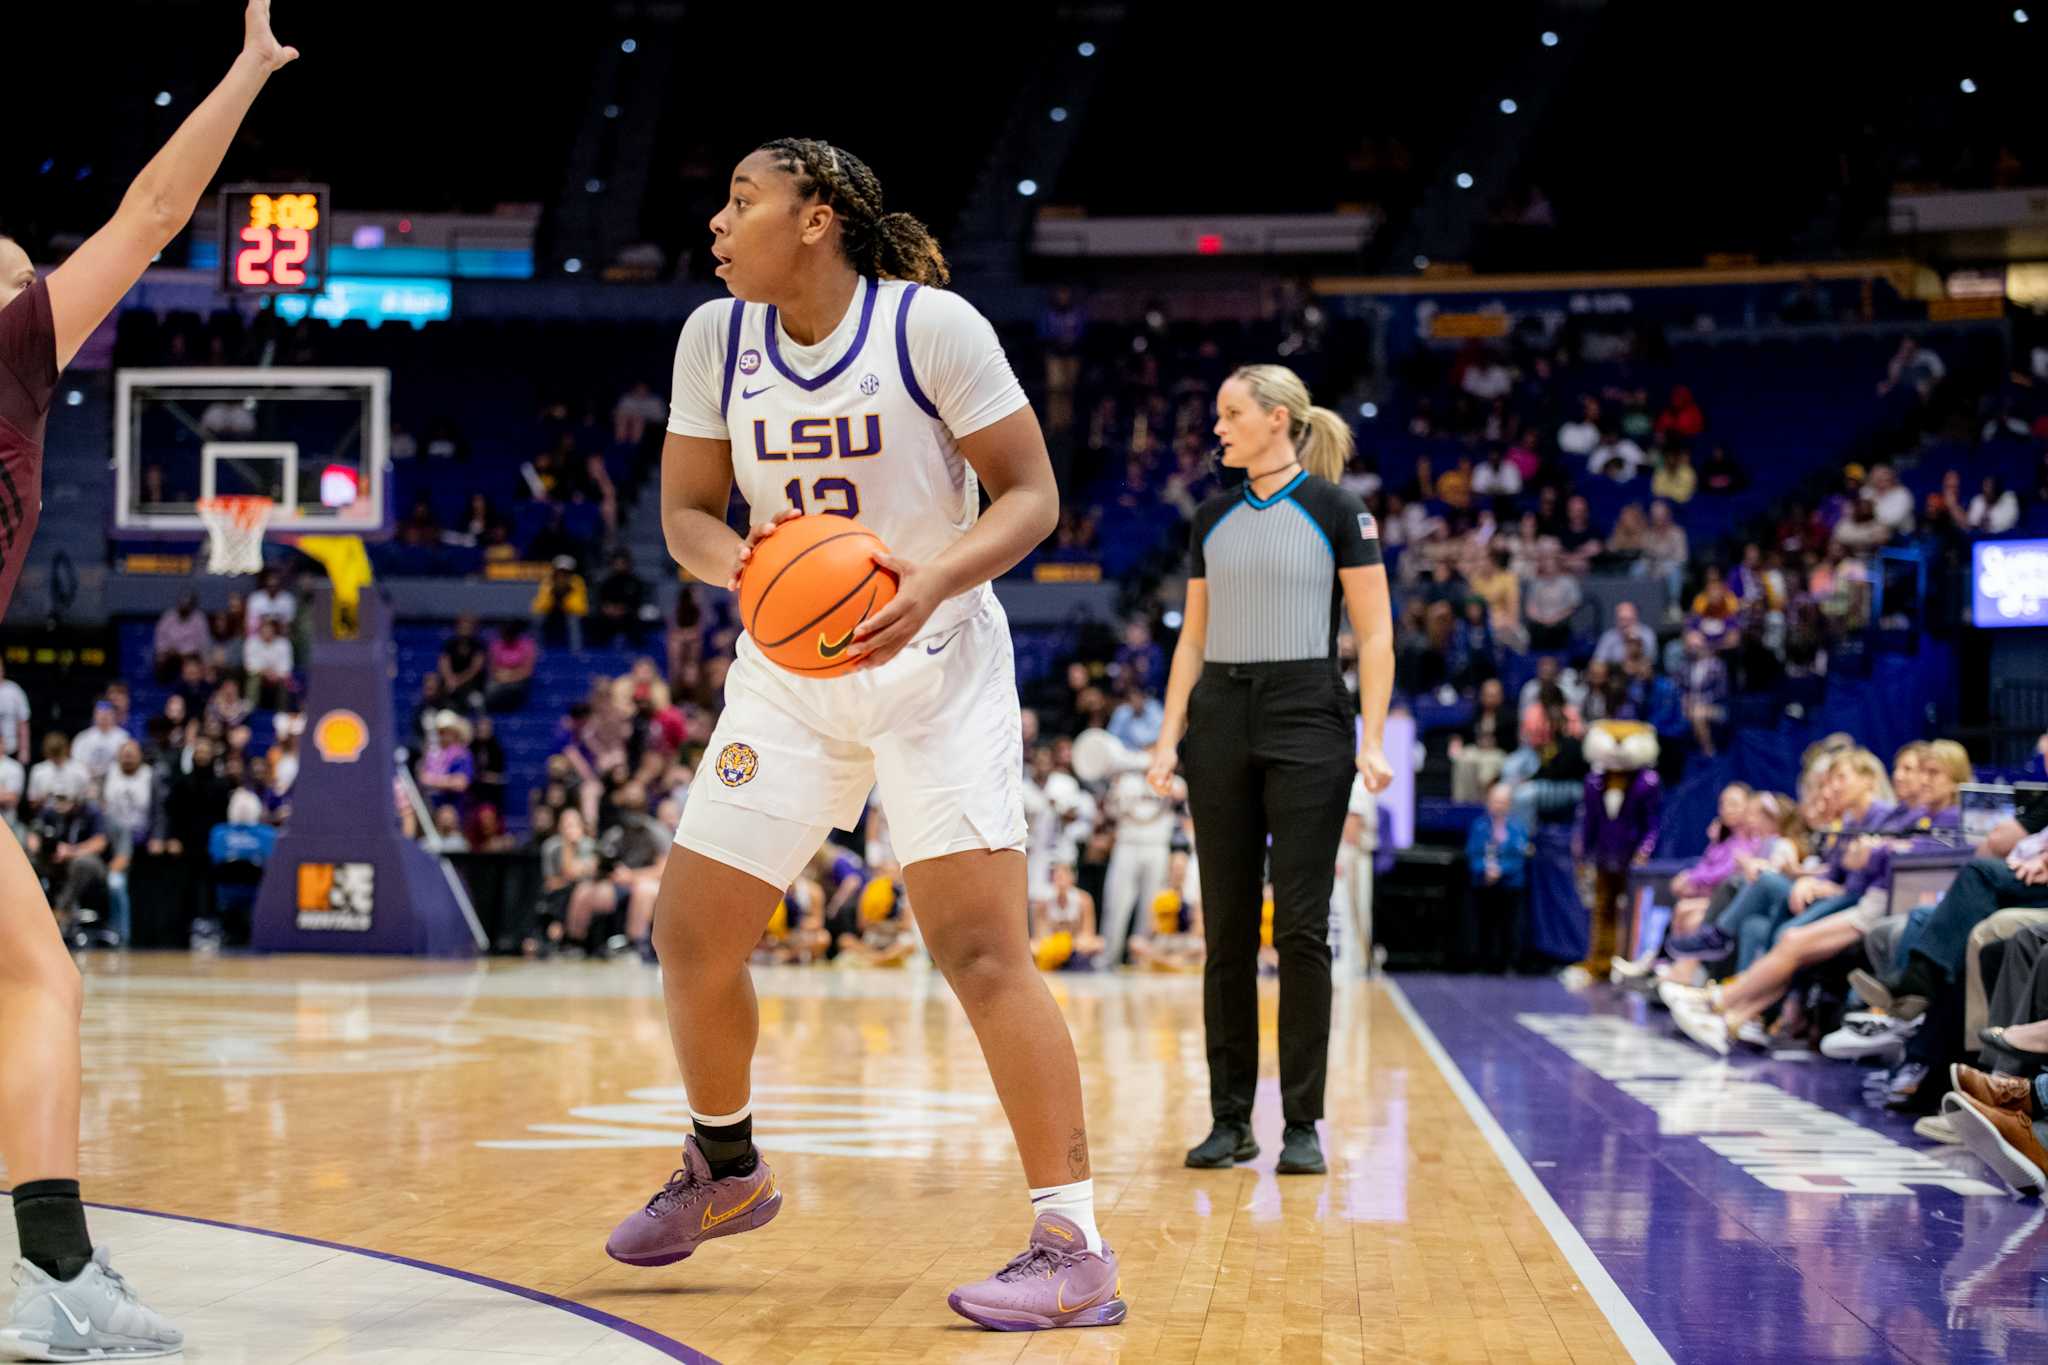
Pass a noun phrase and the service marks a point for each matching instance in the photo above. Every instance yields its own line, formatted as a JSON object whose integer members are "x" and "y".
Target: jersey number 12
{"x": 821, "y": 491}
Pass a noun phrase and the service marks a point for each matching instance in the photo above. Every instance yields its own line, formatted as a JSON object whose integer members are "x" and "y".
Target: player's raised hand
{"x": 918, "y": 594}
{"x": 260, "y": 43}
{"x": 755, "y": 537}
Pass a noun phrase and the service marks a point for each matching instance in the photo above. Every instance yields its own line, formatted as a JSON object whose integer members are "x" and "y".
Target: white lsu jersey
{"x": 866, "y": 423}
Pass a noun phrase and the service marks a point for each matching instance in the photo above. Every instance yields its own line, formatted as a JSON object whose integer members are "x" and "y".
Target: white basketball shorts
{"x": 936, "y": 729}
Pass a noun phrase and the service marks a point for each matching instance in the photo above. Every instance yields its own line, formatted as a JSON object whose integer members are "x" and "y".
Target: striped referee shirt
{"x": 1271, "y": 564}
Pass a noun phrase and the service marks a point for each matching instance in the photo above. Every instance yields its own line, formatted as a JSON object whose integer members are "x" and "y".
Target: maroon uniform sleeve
{"x": 28, "y": 361}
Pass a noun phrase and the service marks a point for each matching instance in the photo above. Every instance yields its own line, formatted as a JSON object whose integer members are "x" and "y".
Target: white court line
{"x": 1636, "y": 1337}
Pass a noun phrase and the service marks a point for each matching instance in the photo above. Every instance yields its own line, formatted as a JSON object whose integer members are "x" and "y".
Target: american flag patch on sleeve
{"x": 1368, "y": 529}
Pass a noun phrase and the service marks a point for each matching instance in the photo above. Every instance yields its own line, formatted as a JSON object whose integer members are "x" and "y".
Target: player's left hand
{"x": 918, "y": 594}
{"x": 1374, "y": 768}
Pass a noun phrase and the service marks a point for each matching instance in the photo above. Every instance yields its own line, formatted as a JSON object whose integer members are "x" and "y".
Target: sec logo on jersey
{"x": 737, "y": 764}
{"x": 870, "y": 384}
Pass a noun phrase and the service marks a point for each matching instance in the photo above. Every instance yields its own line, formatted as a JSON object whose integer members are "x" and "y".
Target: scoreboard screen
{"x": 273, "y": 239}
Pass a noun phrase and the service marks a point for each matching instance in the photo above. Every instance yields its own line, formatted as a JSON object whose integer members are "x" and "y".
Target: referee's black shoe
{"x": 1226, "y": 1145}
{"x": 1300, "y": 1151}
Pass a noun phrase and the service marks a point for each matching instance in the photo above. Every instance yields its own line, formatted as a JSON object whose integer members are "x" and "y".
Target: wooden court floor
{"x": 498, "y": 1119}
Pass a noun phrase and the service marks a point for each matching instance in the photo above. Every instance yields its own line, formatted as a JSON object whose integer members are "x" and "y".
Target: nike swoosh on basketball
{"x": 82, "y": 1326}
{"x": 941, "y": 645}
{"x": 755, "y": 393}
{"x": 712, "y": 1220}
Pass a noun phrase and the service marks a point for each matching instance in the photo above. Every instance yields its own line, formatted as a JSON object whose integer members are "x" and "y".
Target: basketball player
{"x": 69, "y": 1304}
{"x": 842, "y": 378}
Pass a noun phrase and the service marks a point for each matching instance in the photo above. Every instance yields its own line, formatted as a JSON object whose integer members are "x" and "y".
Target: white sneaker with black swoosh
{"x": 94, "y": 1316}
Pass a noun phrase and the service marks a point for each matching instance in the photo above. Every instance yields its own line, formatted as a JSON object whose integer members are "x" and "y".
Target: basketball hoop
{"x": 234, "y": 533}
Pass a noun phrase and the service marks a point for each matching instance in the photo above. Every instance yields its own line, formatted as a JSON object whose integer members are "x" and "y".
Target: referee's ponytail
{"x": 1322, "y": 439}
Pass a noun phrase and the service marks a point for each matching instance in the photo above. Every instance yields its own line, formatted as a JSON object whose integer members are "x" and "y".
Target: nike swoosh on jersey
{"x": 755, "y": 393}
{"x": 941, "y": 645}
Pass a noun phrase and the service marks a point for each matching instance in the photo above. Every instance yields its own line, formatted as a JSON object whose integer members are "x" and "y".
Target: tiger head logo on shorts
{"x": 737, "y": 764}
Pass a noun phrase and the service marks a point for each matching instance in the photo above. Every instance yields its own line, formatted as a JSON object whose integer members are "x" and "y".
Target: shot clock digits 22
{"x": 274, "y": 239}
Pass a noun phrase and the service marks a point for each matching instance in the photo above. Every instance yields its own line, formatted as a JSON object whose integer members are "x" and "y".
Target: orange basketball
{"x": 808, "y": 584}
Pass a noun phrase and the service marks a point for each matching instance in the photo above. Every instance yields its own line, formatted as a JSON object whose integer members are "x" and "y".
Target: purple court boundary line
{"x": 646, "y": 1336}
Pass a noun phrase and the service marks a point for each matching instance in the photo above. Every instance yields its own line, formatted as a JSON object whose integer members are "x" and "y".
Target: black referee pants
{"x": 1269, "y": 750}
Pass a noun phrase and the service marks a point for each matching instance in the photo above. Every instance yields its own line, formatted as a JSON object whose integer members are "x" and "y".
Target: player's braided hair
{"x": 889, "y": 246}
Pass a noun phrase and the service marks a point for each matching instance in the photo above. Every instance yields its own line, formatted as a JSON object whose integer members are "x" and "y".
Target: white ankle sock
{"x": 1075, "y": 1202}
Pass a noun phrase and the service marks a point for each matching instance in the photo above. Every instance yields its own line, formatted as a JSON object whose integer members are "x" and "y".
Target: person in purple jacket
{"x": 1715, "y": 1015}
{"x": 1859, "y": 791}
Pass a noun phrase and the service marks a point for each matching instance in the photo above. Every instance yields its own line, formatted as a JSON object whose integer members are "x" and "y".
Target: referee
{"x": 1268, "y": 743}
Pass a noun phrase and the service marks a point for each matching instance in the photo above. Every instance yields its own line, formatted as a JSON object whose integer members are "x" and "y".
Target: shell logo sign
{"x": 341, "y": 736}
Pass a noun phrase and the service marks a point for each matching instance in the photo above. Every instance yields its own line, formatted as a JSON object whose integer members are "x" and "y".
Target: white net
{"x": 234, "y": 533}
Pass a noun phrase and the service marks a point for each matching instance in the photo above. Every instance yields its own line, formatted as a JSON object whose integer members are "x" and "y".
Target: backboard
{"x": 314, "y": 441}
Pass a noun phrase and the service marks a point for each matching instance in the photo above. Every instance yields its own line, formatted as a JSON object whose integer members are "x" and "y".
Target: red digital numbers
{"x": 273, "y": 256}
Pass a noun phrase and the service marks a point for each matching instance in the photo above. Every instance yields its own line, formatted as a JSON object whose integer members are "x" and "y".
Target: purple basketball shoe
{"x": 1057, "y": 1282}
{"x": 692, "y": 1208}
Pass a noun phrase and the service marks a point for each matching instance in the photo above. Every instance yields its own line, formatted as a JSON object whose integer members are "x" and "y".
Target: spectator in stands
{"x": 1892, "y": 500}
{"x": 1479, "y": 749}
{"x": 461, "y": 666}
{"x": 426, "y": 712}
{"x": 1578, "y": 540}
{"x": 1994, "y": 510}
{"x": 1486, "y": 378}
{"x": 1675, "y": 480}
{"x": 419, "y": 530}
{"x": 621, "y": 597}
{"x": 1061, "y": 328}
{"x": 448, "y": 834}
{"x": 1616, "y": 457}
{"x": 1681, "y": 419}
{"x": 1860, "y": 531}
{"x": 181, "y": 633}
{"x": 486, "y": 832}
{"x": 1631, "y": 533}
{"x": 99, "y": 744}
{"x": 636, "y": 409}
{"x": 1914, "y": 366}
{"x": 1475, "y": 654}
{"x": 268, "y": 657}
{"x": 229, "y": 626}
{"x": 488, "y": 757}
{"x": 685, "y": 636}
{"x": 561, "y": 603}
{"x": 1494, "y": 583}
{"x": 58, "y": 774}
{"x": 402, "y": 444}
{"x": 568, "y": 863}
{"x": 15, "y": 714}
{"x": 1720, "y": 474}
{"x": 1497, "y": 851}
{"x": 228, "y": 706}
{"x": 1496, "y": 477}
{"x": 13, "y": 782}
{"x": 128, "y": 801}
{"x": 1552, "y": 599}
{"x": 445, "y": 440}
{"x": 1628, "y": 625}
{"x": 1137, "y": 717}
{"x": 448, "y": 768}
{"x": 1139, "y": 657}
{"x": 513, "y": 656}
{"x": 1705, "y": 692}
{"x": 67, "y": 843}
{"x": 1666, "y": 550}
{"x": 1578, "y": 437}
{"x": 482, "y": 526}
{"x": 272, "y": 600}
